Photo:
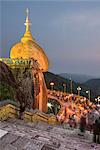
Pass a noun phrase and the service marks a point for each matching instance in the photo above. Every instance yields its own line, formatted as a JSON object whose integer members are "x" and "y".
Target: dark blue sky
{"x": 69, "y": 32}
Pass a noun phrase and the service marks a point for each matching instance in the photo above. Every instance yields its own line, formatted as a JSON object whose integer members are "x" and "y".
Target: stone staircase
{"x": 22, "y": 135}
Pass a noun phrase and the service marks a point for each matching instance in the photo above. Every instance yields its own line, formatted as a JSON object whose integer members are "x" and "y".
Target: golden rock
{"x": 28, "y": 48}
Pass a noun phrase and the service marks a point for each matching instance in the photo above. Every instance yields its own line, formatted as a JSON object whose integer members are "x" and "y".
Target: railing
{"x": 20, "y": 62}
{"x": 10, "y": 111}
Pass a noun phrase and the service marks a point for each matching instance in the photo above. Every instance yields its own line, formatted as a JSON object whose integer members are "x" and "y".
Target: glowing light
{"x": 49, "y": 105}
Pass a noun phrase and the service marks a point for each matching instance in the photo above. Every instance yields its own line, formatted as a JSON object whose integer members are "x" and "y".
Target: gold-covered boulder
{"x": 28, "y": 48}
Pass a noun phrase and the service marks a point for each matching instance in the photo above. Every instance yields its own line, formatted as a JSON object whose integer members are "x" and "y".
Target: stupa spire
{"x": 27, "y": 35}
{"x": 27, "y": 23}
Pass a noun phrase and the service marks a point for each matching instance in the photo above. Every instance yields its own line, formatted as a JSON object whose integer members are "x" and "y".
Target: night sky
{"x": 69, "y": 32}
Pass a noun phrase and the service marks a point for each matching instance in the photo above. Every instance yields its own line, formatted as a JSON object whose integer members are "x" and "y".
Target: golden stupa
{"x": 28, "y": 48}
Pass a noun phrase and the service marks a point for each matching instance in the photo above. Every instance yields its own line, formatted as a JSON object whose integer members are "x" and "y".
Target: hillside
{"x": 94, "y": 85}
{"x": 76, "y": 77}
{"x": 9, "y": 84}
{"x": 59, "y": 81}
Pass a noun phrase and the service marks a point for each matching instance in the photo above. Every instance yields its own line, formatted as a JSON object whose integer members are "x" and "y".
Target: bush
{"x": 6, "y": 92}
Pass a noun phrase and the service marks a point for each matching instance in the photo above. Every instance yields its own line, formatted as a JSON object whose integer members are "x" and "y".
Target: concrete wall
{"x": 10, "y": 111}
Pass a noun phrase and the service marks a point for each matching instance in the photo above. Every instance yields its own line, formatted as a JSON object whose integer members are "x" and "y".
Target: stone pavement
{"x": 21, "y": 135}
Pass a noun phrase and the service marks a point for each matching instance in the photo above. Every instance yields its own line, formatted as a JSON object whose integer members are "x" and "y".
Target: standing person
{"x": 98, "y": 139}
{"x": 96, "y": 131}
{"x": 21, "y": 111}
{"x": 90, "y": 121}
{"x": 83, "y": 123}
{"x": 65, "y": 112}
{"x": 70, "y": 121}
{"x": 74, "y": 118}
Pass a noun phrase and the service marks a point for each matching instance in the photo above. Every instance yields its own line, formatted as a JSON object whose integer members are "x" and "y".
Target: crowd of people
{"x": 79, "y": 112}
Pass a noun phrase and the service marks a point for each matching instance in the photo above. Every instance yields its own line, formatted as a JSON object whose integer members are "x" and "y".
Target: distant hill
{"x": 58, "y": 83}
{"x": 77, "y": 77}
{"x": 94, "y": 86}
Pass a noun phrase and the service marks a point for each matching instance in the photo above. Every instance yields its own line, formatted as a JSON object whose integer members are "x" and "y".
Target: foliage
{"x": 6, "y": 91}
